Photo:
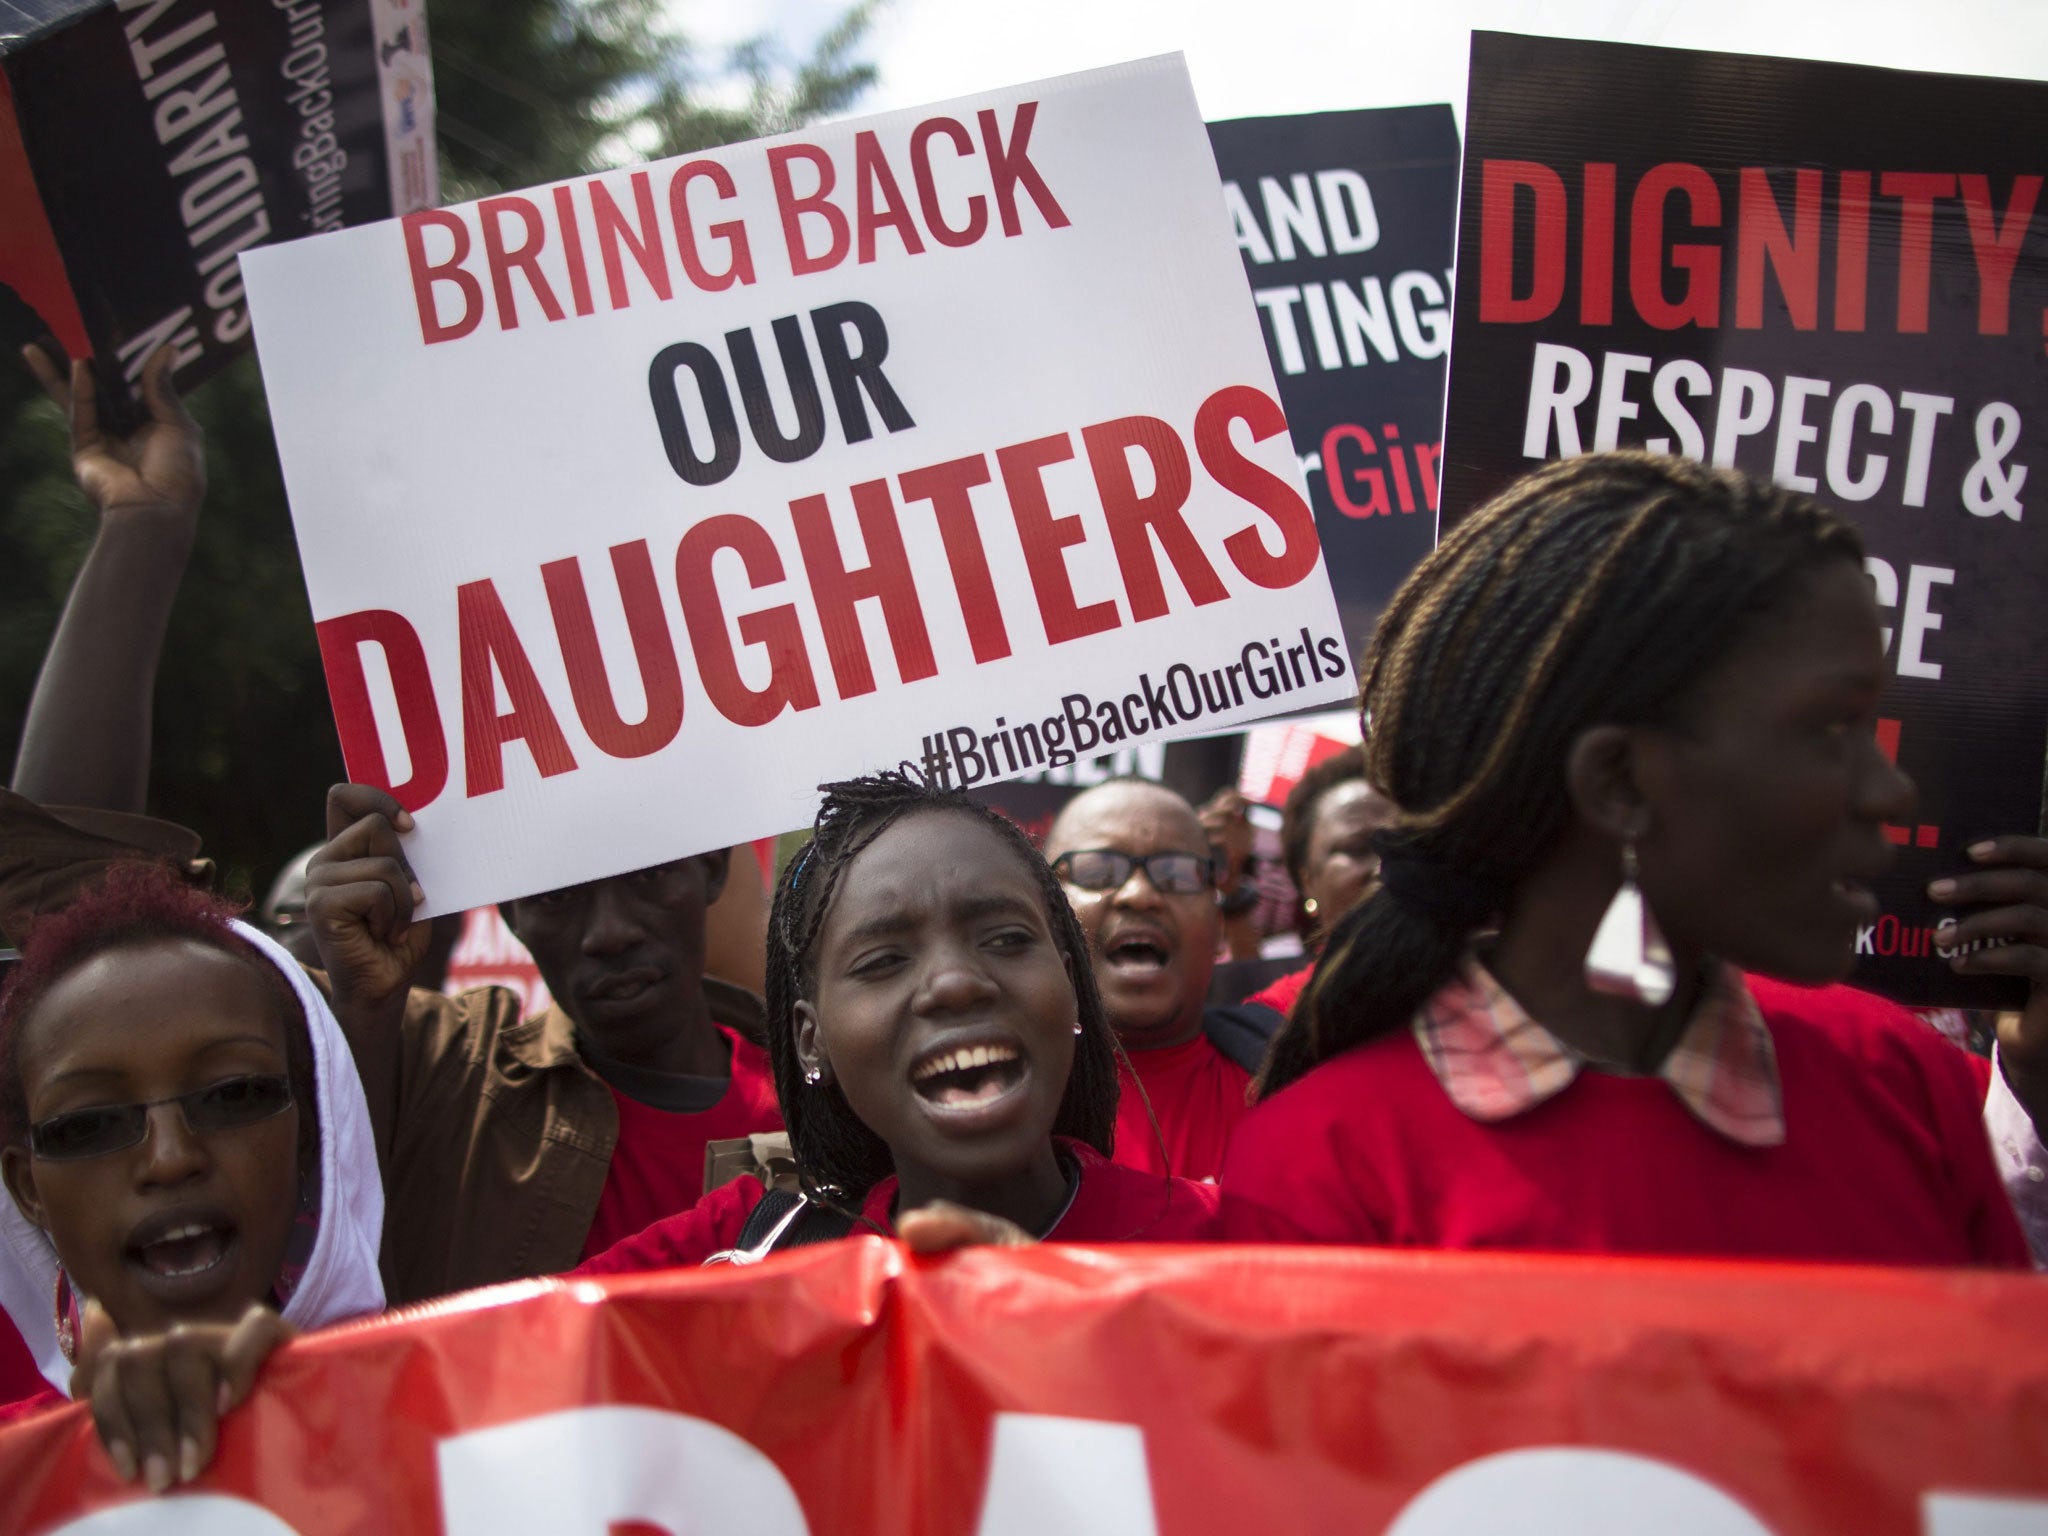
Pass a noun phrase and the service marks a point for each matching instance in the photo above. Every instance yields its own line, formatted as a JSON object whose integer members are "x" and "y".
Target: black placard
{"x": 1831, "y": 275}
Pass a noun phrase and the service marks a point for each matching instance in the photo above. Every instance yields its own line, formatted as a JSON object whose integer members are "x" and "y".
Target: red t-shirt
{"x": 1885, "y": 1158}
{"x": 1196, "y": 1092}
{"x": 20, "y": 1381}
{"x": 1113, "y": 1204}
{"x": 657, "y": 1168}
{"x": 1281, "y": 994}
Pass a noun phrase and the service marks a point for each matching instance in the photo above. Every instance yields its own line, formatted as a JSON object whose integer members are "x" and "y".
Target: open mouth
{"x": 1136, "y": 954}
{"x": 968, "y": 1076}
{"x": 188, "y": 1249}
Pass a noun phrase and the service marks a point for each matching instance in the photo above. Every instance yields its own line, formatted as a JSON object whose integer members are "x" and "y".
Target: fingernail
{"x": 404, "y": 821}
{"x": 1941, "y": 890}
{"x": 418, "y": 896}
{"x": 188, "y": 1459}
{"x": 123, "y": 1459}
{"x": 1983, "y": 850}
{"x": 156, "y": 1472}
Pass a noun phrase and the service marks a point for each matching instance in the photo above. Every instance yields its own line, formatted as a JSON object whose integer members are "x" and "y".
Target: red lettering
{"x": 878, "y": 201}
{"x": 1299, "y": 547}
{"x": 524, "y": 258}
{"x": 1916, "y": 192}
{"x": 572, "y": 250}
{"x": 927, "y": 187}
{"x": 1339, "y": 480}
{"x": 419, "y": 718}
{"x": 777, "y": 630}
{"x": 1852, "y": 250}
{"x": 426, "y": 273}
{"x": 1499, "y": 182}
{"x": 1009, "y": 166}
{"x": 1044, "y": 536}
{"x": 793, "y": 208}
{"x": 661, "y": 679}
{"x": 1701, "y": 303}
{"x": 1596, "y": 248}
{"x": 886, "y": 577}
{"x": 1760, "y": 236}
{"x": 644, "y": 243}
{"x": 1427, "y": 456}
{"x": 491, "y": 651}
{"x": 1134, "y": 519}
{"x": 740, "y": 269}
{"x": 946, "y": 487}
{"x": 1996, "y": 245}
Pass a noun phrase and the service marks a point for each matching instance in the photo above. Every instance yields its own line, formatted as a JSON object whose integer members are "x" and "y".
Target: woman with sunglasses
{"x": 944, "y": 1064}
{"x": 1628, "y": 711}
{"x": 188, "y": 1156}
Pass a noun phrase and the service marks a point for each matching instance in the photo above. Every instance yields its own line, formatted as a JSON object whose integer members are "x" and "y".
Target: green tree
{"x": 528, "y": 91}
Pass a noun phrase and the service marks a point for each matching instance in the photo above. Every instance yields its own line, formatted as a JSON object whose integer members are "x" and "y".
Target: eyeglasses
{"x": 227, "y": 1105}
{"x": 1105, "y": 869}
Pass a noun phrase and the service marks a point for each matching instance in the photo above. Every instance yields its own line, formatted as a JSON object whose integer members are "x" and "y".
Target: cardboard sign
{"x": 1344, "y": 220}
{"x": 145, "y": 145}
{"x": 1828, "y": 275}
{"x": 849, "y": 1390}
{"x": 634, "y": 507}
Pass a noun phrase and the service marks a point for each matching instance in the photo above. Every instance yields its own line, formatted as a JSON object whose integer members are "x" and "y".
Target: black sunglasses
{"x": 1105, "y": 869}
{"x": 227, "y": 1105}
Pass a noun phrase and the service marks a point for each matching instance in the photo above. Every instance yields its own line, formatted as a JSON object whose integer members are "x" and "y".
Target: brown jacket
{"x": 498, "y": 1148}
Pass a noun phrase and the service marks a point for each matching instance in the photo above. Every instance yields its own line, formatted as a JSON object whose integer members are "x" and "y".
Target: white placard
{"x": 1009, "y": 482}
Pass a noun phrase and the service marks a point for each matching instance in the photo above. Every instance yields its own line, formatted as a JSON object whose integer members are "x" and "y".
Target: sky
{"x": 1257, "y": 57}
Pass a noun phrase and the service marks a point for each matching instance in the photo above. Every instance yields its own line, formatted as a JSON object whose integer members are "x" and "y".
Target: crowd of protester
{"x": 1576, "y": 913}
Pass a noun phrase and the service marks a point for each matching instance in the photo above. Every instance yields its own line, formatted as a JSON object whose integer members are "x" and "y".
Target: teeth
{"x": 963, "y": 1061}
{"x": 178, "y": 1235}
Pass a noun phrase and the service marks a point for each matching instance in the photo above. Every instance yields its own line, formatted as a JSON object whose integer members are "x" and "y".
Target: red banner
{"x": 1085, "y": 1392}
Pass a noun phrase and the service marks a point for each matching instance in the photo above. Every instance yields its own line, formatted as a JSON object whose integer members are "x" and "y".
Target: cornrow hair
{"x": 839, "y": 1158}
{"x": 1598, "y": 590}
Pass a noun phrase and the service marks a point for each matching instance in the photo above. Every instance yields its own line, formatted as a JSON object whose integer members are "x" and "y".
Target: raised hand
{"x": 360, "y": 896}
{"x": 158, "y": 470}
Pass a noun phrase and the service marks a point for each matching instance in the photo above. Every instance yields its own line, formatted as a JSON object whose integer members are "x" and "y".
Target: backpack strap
{"x": 1242, "y": 1031}
{"x": 783, "y": 1219}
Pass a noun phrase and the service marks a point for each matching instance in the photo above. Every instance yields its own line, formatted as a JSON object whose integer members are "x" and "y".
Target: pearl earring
{"x": 813, "y": 1076}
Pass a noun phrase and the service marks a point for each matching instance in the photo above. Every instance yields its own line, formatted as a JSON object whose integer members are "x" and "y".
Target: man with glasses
{"x": 1141, "y": 876}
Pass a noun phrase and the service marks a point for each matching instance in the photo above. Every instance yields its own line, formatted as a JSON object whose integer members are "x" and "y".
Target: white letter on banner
{"x": 1568, "y": 1488}
{"x": 1079, "y": 1477}
{"x": 579, "y": 1472}
{"x": 1552, "y": 401}
{"x": 1982, "y": 1514}
{"x": 180, "y": 1514}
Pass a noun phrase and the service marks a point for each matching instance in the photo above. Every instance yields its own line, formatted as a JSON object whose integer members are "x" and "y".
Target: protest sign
{"x": 1344, "y": 221}
{"x": 848, "y": 1388}
{"x": 1828, "y": 275}
{"x": 634, "y": 507}
{"x": 144, "y": 144}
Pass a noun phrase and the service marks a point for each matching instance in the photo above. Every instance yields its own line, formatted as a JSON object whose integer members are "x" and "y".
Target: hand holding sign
{"x": 2007, "y": 935}
{"x": 158, "y": 470}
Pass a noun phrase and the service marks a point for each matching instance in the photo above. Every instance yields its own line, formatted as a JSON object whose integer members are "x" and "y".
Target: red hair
{"x": 134, "y": 903}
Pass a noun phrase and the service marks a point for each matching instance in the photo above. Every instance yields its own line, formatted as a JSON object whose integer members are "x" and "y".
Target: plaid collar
{"x": 1496, "y": 1062}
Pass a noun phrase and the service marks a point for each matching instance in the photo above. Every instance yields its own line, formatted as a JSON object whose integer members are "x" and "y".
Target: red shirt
{"x": 1113, "y": 1204}
{"x": 1196, "y": 1092}
{"x": 1281, "y": 994}
{"x": 1885, "y": 1158}
{"x": 657, "y": 1167}
{"x": 20, "y": 1382}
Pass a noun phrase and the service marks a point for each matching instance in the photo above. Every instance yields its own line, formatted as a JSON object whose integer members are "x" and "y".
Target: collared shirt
{"x": 1496, "y": 1062}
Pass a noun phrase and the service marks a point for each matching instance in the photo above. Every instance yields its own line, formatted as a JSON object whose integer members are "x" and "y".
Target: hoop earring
{"x": 67, "y": 1332}
{"x": 1629, "y": 957}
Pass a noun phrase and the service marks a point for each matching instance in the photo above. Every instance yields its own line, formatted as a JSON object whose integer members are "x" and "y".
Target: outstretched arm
{"x": 86, "y": 739}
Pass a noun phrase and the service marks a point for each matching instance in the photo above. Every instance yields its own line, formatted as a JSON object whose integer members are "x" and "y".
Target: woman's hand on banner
{"x": 157, "y": 472}
{"x": 2006, "y": 935}
{"x": 943, "y": 1226}
{"x": 158, "y": 1399}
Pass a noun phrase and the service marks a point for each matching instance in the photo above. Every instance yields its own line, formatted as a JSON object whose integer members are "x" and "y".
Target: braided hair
{"x": 1599, "y": 590}
{"x": 839, "y": 1158}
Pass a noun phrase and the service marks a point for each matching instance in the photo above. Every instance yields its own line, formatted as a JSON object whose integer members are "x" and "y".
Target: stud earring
{"x": 814, "y": 1076}
{"x": 1308, "y": 905}
{"x": 1077, "y": 1026}
{"x": 1629, "y": 957}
